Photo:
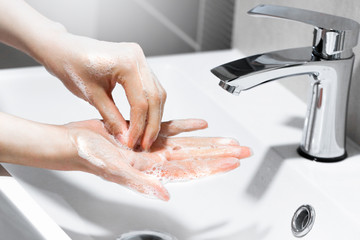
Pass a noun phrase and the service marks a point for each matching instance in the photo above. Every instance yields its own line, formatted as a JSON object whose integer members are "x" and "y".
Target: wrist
{"x": 24, "y": 28}
{"x": 35, "y": 144}
{"x": 61, "y": 152}
{"x": 44, "y": 44}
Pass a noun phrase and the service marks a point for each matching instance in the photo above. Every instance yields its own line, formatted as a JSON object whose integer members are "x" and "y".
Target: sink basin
{"x": 21, "y": 217}
{"x": 255, "y": 201}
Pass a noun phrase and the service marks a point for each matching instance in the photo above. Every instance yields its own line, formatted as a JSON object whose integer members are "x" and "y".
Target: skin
{"x": 88, "y": 146}
{"x": 90, "y": 69}
{"x": 139, "y": 154}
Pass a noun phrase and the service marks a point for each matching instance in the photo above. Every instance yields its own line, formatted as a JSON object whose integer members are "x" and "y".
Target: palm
{"x": 169, "y": 159}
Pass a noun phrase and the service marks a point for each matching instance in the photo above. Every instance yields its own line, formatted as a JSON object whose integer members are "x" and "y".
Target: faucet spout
{"x": 324, "y": 129}
{"x": 249, "y": 72}
{"x": 328, "y": 62}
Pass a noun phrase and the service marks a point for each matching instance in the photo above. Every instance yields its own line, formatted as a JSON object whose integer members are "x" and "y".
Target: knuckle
{"x": 131, "y": 64}
{"x": 136, "y": 47}
{"x": 163, "y": 96}
{"x": 155, "y": 99}
{"x": 134, "y": 51}
{"x": 141, "y": 105}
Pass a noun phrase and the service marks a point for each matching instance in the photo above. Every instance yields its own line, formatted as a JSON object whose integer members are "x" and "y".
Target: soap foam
{"x": 100, "y": 66}
{"x": 167, "y": 174}
{"x": 144, "y": 190}
{"x": 77, "y": 81}
{"x": 84, "y": 153}
{"x": 227, "y": 141}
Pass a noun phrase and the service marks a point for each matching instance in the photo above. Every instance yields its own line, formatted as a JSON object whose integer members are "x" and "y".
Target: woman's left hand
{"x": 91, "y": 69}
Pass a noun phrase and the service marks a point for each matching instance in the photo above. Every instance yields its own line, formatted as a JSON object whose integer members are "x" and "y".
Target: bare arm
{"x": 25, "y": 29}
{"x": 34, "y": 144}
{"x": 87, "y": 146}
{"x": 90, "y": 69}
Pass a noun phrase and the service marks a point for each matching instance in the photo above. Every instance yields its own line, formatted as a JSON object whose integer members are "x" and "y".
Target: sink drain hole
{"x": 146, "y": 235}
{"x": 303, "y": 220}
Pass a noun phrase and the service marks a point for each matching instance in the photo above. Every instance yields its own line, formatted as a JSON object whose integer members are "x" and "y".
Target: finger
{"x": 139, "y": 182}
{"x": 221, "y": 152}
{"x": 175, "y": 127}
{"x": 113, "y": 120}
{"x": 154, "y": 111}
{"x": 137, "y": 98}
{"x": 192, "y": 169}
{"x": 162, "y": 94}
{"x": 139, "y": 87}
{"x": 198, "y": 142}
{"x": 151, "y": 132}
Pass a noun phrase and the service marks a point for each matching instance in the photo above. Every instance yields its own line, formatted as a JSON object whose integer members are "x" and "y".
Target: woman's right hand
{"x": 169, "y": 159}
{"x": 88, "y": 146}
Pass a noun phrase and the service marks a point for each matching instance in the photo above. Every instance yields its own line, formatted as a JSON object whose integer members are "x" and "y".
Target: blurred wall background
{"x": 159, "y": 26}
{"x": 181, "y": 26}
{"x": 258, "y": 34}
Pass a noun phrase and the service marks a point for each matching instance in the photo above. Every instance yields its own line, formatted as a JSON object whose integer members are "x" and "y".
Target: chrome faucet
{"x": 328, "y": 62}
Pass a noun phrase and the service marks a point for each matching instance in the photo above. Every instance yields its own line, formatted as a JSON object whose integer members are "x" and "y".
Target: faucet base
{"x": 319, "y": 159}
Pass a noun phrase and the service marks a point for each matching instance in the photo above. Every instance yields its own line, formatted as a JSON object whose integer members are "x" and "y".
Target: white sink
{"x": 255, "y": 201}
{"x": 21, "y": 217}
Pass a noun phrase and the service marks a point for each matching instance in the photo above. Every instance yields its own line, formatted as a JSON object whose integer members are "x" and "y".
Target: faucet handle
{"x": 334, "y": 36}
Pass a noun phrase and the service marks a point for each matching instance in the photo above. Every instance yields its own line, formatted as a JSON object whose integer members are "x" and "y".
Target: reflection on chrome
{"x": 328, "y": 62}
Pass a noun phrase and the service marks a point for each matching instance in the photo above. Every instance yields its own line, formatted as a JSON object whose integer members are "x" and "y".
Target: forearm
{"x": 34, "y": 144}
{"x": 24, "y": 28}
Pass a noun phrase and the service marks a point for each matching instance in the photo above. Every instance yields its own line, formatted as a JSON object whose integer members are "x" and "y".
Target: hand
{"x": 169, "y": 159}
{"x": 91, "y": 69}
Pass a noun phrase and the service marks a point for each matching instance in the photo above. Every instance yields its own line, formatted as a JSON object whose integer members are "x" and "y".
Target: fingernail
{"x": 146, "y": 144}
{"x": 164, "y": 196}
{"x": 129, "y": 141}
{"x": 146, "y": 148}
{"x": 239, "y": 151}
{"x": 247, "y": 152}
{"x": 130, "y": 144}
{"x": 200, "y": 123}
{"x": 161, "y": 193}
{"x": 121, "y": 138}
